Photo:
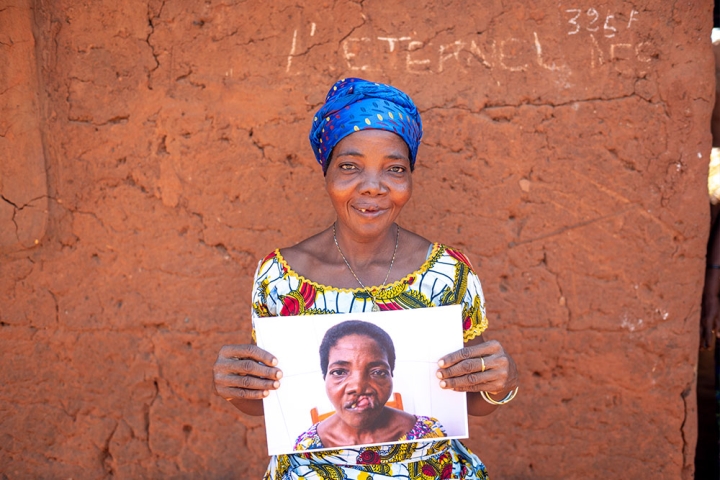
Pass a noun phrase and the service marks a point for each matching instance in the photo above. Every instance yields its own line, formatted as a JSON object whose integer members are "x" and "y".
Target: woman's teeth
{"x": 362, "y": 402}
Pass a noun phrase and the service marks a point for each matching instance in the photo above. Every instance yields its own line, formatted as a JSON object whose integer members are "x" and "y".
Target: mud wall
{"x": 152, "y": 152}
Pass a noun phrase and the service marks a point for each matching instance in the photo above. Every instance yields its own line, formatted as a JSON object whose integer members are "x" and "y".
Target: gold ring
{"x": 482, "y": 369}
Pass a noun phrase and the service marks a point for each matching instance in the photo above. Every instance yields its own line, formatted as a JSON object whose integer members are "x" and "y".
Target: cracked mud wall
{"x": 565, "y": 151}
{"x": 23, "y": 179}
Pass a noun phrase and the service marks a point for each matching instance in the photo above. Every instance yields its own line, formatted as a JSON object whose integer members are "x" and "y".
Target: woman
{"x": 357, "y": 360}
{"x": 366, "y": 138}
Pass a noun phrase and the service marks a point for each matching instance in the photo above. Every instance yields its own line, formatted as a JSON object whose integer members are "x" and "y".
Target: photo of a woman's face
{"x": 358, "y": 381}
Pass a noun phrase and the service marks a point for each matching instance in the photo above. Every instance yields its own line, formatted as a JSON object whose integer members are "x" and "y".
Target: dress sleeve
{"x": 474, "y": 319}
{"x": 308, "y": 440}
{"x": 425, "y": 427}
{"x": 262, "y": 304}
{"x": 466, "y": 291}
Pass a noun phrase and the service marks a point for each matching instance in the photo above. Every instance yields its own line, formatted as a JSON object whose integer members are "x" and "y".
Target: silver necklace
{"x": 375, "y": 307}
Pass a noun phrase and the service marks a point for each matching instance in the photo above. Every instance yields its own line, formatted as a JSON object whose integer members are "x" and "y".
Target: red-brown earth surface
{"x": 152, "y": 152}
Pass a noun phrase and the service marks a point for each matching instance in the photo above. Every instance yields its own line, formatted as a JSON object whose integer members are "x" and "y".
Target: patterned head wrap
{"x": 354, "y": 104}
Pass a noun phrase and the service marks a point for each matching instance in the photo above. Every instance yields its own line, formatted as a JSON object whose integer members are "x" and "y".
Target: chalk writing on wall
{"x": 605, "y": 36}
{"x": 590, "y": 20}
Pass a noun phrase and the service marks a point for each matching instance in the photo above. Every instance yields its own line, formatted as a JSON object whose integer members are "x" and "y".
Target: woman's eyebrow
{"x": 355, "y": 153}
{"x": 378, "y": 363}
{"x": 349, "y": 153}
{"x": 340, "y": 363}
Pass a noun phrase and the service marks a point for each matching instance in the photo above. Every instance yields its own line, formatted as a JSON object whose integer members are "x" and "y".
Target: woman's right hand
{"x": 245, "y": 372}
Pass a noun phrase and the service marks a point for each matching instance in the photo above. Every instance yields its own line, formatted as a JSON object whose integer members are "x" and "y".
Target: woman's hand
{"x": 245, "y": 374}
{"x": 480, "y": 366}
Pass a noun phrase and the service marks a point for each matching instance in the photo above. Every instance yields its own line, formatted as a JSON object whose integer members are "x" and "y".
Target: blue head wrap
{"x": 354, "y": 104}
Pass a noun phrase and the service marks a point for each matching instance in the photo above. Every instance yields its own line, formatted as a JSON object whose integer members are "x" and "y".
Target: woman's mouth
{"x": 360, "y": 404}
{"x": 369, "y": 210}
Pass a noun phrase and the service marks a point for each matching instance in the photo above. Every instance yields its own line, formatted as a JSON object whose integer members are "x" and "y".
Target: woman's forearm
{"x": 477, "y": 406}
{"x": 250, "y": 407}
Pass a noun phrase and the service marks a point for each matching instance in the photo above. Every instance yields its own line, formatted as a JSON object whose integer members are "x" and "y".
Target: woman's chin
{"x": 361, "y": 418}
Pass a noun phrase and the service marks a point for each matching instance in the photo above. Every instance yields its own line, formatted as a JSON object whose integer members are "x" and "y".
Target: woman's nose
{"x": 372, "y": 182}
{"x": 357, "y": 382}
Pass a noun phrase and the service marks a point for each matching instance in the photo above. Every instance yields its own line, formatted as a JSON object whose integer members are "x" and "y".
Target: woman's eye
{"x": 347, "y": 166}
{"x": 397, "y": 169}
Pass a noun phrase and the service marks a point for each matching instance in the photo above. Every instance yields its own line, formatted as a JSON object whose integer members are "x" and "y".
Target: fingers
{"x": 475, "y": 365}
{"x": 475, "y": 351}
{"x": 245, "y": 367}
{"x": 252, "y": 352}
{"x": 475, "y": 382}
{"x": 247, "y": 360}
{"x": 244, "y": 387}
{"x": 245, "y": 372}
{"x": 481, "y": 367}
{"x": 469, "y": 376}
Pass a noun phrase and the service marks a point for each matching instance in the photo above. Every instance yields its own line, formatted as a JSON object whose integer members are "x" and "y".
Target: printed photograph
{"x": 351, "y": 380}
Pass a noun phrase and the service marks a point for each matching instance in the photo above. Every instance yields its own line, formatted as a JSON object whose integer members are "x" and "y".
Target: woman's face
{"x": 358, "y": 381}
{"x": 369, "y": 180}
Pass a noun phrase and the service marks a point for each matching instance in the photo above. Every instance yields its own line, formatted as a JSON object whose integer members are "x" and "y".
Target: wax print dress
{"x": 446, "y": 278}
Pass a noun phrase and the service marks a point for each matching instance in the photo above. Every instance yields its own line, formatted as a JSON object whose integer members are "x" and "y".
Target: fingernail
{"x": 438, "y": 374}
{"x": 443, "y": 384}
{"x": 274, "y": 362}
{"x": 441, "y": 363}
{"x": 278, "y": 375}
{"x": 266, "y": 393}
{"x": 276, "y": 384}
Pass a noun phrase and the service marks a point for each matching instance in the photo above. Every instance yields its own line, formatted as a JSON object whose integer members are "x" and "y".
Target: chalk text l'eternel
{"x": 608, "y": 39}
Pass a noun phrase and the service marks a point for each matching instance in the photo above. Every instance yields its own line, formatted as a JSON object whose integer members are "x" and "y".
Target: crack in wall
{"x": 570, "y": 227}
{"x": 152, "y": 18}
{"x": 569, "y": 103}
{"x": 106, "y": 458}
{"x": 10, "y": 202}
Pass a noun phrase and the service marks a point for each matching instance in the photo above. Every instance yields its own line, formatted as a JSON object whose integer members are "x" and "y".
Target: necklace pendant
{"x": 375, "y": 307}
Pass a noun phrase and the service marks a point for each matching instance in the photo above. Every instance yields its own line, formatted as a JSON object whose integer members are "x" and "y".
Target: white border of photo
{"x": 421, "y": 337}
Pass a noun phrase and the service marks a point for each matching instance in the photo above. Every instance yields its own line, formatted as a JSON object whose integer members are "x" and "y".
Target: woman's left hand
{"x": 481, "y": 366}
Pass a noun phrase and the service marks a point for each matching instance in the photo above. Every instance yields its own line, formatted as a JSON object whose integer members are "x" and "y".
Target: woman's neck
{"x": 388, "y": 427}
{"x": 363, "y": 252}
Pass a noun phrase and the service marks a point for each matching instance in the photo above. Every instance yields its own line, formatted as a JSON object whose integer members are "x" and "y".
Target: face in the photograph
{"x": 359, "y": 380}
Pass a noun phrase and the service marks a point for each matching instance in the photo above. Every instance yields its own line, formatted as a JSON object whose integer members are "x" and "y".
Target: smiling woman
{"x": 366, "y": 138}
{"x": 369, "y": 181}
{"x": 357, "y": 360}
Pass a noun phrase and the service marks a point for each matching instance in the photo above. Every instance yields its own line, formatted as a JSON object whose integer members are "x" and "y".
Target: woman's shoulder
{"x": 426, "y": 427}
{"x": 416, "y": 258}
{"x": 305, "y": 253}
{"x": 308, "y": 440}
{"x": 308, "y": 255}
{"x": 454, "y": 253}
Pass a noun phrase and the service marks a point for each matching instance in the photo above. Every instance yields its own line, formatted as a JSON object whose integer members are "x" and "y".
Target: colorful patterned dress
{"x": 446, "y": 278}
